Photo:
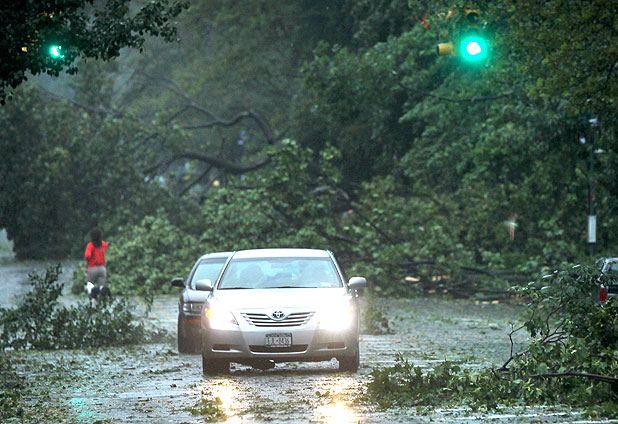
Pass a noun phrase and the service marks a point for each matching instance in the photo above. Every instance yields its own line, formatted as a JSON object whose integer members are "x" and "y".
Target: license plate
{"x": 279, "y": 340}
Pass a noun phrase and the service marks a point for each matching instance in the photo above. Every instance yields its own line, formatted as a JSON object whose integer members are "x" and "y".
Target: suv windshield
{"x": 268, "y": 273}
{"x": 208, "y": 269}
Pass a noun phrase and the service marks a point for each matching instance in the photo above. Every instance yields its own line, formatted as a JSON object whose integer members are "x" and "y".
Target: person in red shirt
{"x": 95, "y": 255}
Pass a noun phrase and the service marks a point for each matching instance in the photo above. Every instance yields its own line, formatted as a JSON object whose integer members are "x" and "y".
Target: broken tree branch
{"x": 598, "y": 377}
{"x": 270, "y": 137}
{"x": 195, "y": 181}
{"x": 215, "y": 120}
{"x": 232, "y": 168}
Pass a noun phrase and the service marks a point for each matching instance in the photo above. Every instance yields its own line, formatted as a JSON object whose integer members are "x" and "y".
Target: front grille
{"x": 269, "y": 349}
{"x": 295, "y": 319}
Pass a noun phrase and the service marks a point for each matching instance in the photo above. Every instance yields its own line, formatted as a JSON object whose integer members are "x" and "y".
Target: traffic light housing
{"x": 445, "y": 49}
{"x": 469, "y": 41}
{"x": 472, "y": 42}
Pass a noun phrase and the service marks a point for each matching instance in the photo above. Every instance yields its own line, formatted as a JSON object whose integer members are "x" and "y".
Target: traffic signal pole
{"x": 592, "y": 218}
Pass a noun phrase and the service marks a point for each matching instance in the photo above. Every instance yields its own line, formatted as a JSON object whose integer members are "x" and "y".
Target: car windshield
{"x": 613, "y": 269}
{"x": 208, "y": 269}
{"x": 269, "y": 273}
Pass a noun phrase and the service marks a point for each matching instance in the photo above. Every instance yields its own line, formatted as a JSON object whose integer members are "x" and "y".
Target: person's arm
{"x": 88, "y": 253}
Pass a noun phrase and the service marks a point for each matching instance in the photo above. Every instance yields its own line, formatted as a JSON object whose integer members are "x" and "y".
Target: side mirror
{"x": 178, "y": 282}
{"x": 357, "y": 283}
{"x": 203, "y": 285}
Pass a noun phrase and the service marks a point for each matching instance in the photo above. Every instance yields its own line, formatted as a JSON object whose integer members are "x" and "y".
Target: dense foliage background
{"x": 330, "y": 125}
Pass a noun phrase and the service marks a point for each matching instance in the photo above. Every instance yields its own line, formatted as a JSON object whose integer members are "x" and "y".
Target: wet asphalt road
{"x": 154, "y": 384}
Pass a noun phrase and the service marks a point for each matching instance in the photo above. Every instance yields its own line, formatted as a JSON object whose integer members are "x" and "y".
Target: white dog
{"x": 96, "y": 292}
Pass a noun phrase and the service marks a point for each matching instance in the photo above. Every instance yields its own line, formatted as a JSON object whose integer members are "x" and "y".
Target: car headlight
{"x": 339, "y": 317}
{"x": 195, "y": 308}
{"x": 219, "y": 317}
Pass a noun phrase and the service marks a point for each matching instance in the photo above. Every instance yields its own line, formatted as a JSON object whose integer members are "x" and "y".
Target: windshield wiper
{"x": 289, "y": 287}
{"x": 234, "y": 288}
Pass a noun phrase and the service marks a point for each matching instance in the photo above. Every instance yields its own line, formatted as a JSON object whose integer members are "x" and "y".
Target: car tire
{"x": 184, "y": 345}
{"x": 350, "y": 363}
{"x": 212, "y": 366}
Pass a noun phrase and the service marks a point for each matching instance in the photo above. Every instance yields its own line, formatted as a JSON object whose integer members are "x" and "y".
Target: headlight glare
{"x": 337, "y": 318}
{"x": 218, "y": 317}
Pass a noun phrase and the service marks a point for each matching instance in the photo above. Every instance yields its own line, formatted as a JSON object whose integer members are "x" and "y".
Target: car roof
{"x": 278, "y": 253}
{"x": 216, "y": 255}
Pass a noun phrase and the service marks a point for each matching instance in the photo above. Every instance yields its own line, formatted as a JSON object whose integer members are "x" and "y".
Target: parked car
{"x": 191, "y": 300}
{"x": 280, "y": 305}
{"x": 609, "y": 289}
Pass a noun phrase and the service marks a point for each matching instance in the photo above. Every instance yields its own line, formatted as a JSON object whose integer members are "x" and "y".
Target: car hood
{"x": 314, "y": 298}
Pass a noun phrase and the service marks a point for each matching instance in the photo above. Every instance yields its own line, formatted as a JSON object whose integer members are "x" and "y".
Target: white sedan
{"x": 280, "y": 305}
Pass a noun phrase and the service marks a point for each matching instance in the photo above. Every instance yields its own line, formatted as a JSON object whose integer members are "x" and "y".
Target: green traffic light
{"x": 473, "y": 49}
{"x": 55, "y": 52}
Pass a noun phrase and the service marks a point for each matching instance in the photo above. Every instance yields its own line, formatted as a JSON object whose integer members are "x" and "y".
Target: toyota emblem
{"x": 278, "y": 315}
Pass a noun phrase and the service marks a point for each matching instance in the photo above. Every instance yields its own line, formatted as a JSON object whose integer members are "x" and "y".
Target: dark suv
{"x": 191, "y": 300}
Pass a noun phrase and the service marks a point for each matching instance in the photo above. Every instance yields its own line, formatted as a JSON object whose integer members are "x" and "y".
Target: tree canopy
{"x": 332, "y": 125}
{"x": 81, "y": 29}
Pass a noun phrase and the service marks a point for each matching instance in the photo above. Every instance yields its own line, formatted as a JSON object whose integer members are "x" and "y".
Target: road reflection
{"x": 291, "y": 395}
{"x": 337, "y": 412}
{"x": 227, "y": 391}
{"x": 338, "y": 408}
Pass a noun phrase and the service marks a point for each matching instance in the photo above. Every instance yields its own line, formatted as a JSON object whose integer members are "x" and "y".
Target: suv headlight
{"x": 194, "y": 308}
{"x": 337, "y": 317}
{"x": 218, "y": 317}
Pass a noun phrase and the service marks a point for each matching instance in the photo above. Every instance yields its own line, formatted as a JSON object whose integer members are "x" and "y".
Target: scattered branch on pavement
{"x": 598, "y": 377}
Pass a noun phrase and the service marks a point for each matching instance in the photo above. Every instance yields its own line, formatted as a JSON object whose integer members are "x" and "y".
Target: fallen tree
{"x": 571, "y": 359}
{"x": 39, "y": 321}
